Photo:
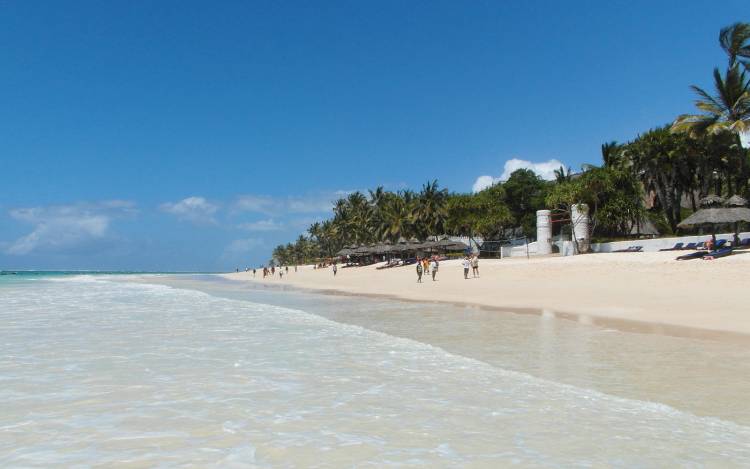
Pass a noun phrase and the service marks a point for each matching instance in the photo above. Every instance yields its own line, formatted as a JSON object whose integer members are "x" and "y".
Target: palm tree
{"x": 429, "y": 210}
{"x": 612, "y": 154}
{"x": 396, "y": 219}
{"x": 735, "y": 40}
{"x": 561, "y": 175}
{"x": 727, "y": 111}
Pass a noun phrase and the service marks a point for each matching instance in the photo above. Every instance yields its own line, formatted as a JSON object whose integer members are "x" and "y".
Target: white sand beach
{"x": 649, "y": 288}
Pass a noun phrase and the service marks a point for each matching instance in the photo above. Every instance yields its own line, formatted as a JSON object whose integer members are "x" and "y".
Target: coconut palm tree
{"x": 735, "y": 40}
{"x": 726, "y": 111}
{"x": 396, "y": 219}
{"x": 429, "y": 211}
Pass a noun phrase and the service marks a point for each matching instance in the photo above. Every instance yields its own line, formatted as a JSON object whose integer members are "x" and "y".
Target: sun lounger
{"x": 692, "y": 255}
{"x": 717, "y": 254}
{"x": 630, "y": 249}
{"x": 701, "y": 245}
{"x": 676, "y": 247}
{"x": 744, "y": 244}
{"x": 690, "y": 246}
{"x": 720, "y": 244}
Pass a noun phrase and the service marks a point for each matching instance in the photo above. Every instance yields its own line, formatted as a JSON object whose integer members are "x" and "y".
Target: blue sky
{"x": 182, "y": 135}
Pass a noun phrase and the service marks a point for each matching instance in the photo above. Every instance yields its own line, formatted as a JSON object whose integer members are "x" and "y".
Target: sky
{"x": 181, "y": 135}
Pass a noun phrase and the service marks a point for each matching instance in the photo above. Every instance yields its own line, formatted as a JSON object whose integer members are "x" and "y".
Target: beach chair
{"x": 630, "y": 249}
{"x": 692, "y": 255}
{"x": 720, "y": 244}
{"x": 717, "y": 254}
{"x": 676, "y": 247}
{"x": 701, "y": 245}
{"x": 690, "y": 246}
{"x": 744, "y": 244}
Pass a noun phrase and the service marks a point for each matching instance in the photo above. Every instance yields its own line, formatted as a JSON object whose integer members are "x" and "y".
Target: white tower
{"x": 579, "y": 215}
{"x": 543, "y": 232}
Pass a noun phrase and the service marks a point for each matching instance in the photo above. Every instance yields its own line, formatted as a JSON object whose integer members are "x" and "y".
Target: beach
{"x": 649, "y": 290}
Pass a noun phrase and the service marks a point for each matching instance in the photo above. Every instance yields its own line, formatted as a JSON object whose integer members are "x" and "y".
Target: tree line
{"x": 649, "y": 177}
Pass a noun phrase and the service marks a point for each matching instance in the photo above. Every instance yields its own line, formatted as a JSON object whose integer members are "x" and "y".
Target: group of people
{"x": 431, "y": 264}
{"x": 471, "y": 261}
{"x": 425, "y": 265}
{"x": 271, "y": 271}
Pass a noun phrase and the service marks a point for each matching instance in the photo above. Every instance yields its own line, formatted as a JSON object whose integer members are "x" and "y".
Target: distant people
{"x": 236, "y": 270}
{"x": 426, "y": 265}
{"x": 335, "y": 269}
{"x": 273, "y": 270}
{"x": 295, "y": 267}
{"x": 287, "y": 269}
{"x": 466, "y": 263}
{"x": 475, "y": 265}
{"x": 419, "y": 272}
{"x": 281, "y": 274}
{"x": 253, "y": 273}
{"x": 434, "y": 267}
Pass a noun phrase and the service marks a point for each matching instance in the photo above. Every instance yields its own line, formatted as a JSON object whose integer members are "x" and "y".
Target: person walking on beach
{"x": 334, "y": 270}
{"x": 475, "y": 265}
{"x": 419, "y": 272}
{"x": 466, "y": 263}
{"x": 434, "y": 267}
{"x": 287, "y": 269}
{"x": 253, "y": 273}
{"x": 281, "y": 274}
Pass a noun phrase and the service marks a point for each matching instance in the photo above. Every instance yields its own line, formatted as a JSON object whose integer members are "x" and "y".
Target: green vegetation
{"x": 649, "y": 178}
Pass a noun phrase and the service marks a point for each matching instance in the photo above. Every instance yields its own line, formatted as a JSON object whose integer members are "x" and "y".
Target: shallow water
{"x": 121, "y": 373}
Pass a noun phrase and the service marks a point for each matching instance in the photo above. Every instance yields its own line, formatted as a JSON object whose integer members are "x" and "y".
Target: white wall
{"x": 660, "y": 243}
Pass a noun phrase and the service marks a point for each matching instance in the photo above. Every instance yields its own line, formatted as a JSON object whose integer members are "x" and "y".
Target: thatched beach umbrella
{"x": 736, "y": 201}
{"x": 716, "y": 216}
{"x": 450, "y": 245}
{"x": 362, "y": 250}
{"x": 345, "y": 252}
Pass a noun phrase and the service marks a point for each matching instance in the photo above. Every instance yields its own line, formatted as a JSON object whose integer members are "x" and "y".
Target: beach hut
{"x": 344, "y": 252}
{"x": 715, "y": 214}
{"x": 450, "y": 245}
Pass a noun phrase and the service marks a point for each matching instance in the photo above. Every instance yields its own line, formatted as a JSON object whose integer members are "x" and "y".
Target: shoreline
{"x": 632, "y": 292}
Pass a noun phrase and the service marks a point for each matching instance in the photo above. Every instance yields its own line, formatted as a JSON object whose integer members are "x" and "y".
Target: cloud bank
{"x": 313, "y": 203}
{"x": 193, "y": 209}
{"x": 64, "y": 226}
{"x": 545, "y": 170}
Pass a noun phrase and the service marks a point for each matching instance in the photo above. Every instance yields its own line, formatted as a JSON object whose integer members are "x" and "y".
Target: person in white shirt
{"x": 466, "y": 263}
{"x": 434, "y": 267}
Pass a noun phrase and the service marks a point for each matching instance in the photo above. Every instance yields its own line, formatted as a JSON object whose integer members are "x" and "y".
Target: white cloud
{"x": 58, "y": 227}
{"x": 483, "y": 182}
{"x": 312, "y": 203}
{"x": 545, "y": 170}
{"x": 193, "y": 209}
{"x": 262, "y": 225}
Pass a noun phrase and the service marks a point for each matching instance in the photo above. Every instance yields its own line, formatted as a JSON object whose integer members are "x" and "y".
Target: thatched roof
{"x": 712, "y": 201}
{"x": 736, "y": 201}
{"x": 345, "y": 252}
{"x": 645, "y": 227}
{"x": 717, "y": 216}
